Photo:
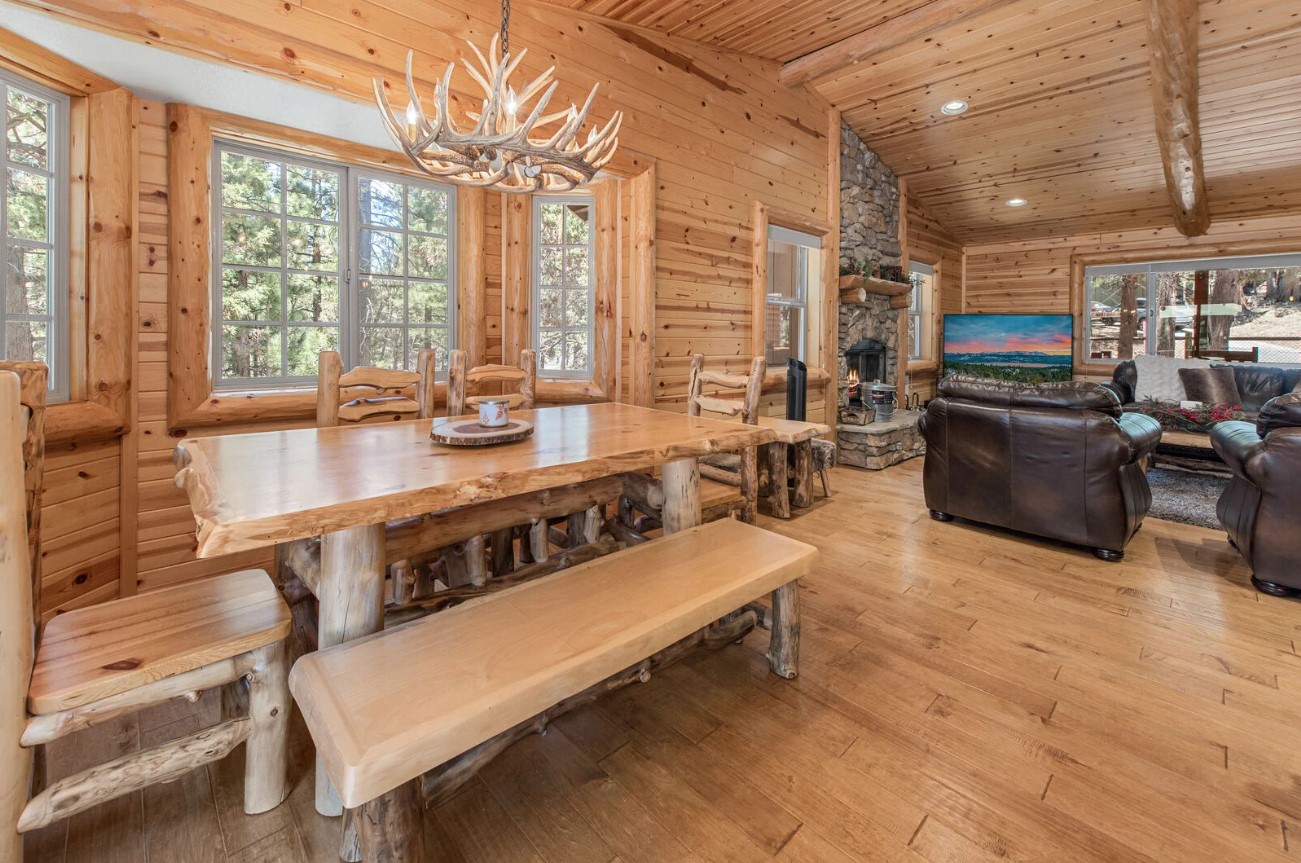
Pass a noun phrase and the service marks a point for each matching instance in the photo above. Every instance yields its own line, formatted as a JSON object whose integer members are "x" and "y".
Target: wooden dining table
{"x": 344, "y": 484}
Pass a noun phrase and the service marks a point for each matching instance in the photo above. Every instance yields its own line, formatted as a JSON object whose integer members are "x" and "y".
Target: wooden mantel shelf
{"x": 854, "y": 289}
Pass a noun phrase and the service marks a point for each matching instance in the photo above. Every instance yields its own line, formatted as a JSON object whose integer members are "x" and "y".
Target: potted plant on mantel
{"x": 872, "y": 278}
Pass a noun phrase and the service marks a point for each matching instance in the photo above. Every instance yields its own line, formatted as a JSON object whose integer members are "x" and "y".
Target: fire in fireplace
{"x": 865, "y": 362}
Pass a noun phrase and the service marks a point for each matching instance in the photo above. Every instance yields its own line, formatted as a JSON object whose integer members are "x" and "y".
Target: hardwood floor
{"x": 966, "y": 695}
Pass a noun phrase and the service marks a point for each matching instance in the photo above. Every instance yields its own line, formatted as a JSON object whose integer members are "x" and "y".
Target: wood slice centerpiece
{"x": 466, "y": 431}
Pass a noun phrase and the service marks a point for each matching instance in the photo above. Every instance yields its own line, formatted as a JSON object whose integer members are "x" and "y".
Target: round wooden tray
{"x": 467, "y": 432}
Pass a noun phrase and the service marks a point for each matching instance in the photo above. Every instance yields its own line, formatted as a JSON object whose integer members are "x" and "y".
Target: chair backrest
{"x": 746, "y": 407}
{"x": 32, "y": 382}
{"x": 365, "y": 392}
{"x": 463, "y": 384}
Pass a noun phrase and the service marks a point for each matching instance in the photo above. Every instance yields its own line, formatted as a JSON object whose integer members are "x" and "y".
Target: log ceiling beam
{"x": 911, "y": 25}
{"x": 1172, "y": 30}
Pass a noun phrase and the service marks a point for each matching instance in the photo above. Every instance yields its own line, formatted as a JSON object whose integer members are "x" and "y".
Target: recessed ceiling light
{"x": 1017, "y": 202}
{"x": 954, "y": 108}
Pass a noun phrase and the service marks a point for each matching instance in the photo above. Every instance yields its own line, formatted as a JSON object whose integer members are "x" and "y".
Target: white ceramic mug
{"x": 494, "y": 413}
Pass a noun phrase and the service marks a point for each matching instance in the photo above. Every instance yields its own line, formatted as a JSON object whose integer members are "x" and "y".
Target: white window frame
{"x": 802, "y": 242}
{"x": 350, "y": 228}
{"x": 1152, "y": 268}
{"x": 917, "y": 310}
{"x": 58, "y": 246}
{"x": 588, "y": 201}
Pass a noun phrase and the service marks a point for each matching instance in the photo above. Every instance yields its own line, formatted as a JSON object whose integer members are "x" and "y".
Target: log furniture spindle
{"x": 367, "y": 392}
{"x": 383, "y": 711}
{"x": 95, "y": 663}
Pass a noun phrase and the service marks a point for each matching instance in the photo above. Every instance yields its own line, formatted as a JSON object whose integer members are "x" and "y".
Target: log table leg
{"x": 352, "y": 605}
{"x": 779, "y": 502}
{"x": 784, "y": 641}
{"x": 681, "y": 480}
{"x": 391, "y": 831}
{"x": 802, "y": 494}
{"x": 266, "y": 756}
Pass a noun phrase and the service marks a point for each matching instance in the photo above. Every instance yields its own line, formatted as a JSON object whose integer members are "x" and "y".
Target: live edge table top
{"x": 255, "y": 490}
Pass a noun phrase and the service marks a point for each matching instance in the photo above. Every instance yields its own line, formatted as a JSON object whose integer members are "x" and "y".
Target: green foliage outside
{"x": 283, "y": 260}
{"x": 1018, "y": 374}
{"x": 565, "y": 286}
{"x": 29, "y": 227}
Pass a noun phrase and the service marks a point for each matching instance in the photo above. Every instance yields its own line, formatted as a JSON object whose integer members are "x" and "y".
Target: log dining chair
{"x": 737, "y": 470}
{"x": 464, "y": 389}
{"x": 362, "y": 394}
{"x": 366, "y": 392}
{"x": 92, "y": 664}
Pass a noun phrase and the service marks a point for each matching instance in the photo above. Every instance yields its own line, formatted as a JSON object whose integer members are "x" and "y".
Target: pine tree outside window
{"x": 313, "y": 256}
{"x": 34, "y": 245}
{"x": 564, "y": 286}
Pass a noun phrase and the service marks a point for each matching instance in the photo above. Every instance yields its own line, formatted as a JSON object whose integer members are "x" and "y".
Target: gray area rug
{"x": 1185, "y": 496}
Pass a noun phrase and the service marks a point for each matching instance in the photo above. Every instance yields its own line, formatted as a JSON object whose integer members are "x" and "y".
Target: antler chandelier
{"x": 499, "y": 151}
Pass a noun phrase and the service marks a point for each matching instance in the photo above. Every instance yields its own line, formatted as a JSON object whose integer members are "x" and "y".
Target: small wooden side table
{"x": 773, "y": 462}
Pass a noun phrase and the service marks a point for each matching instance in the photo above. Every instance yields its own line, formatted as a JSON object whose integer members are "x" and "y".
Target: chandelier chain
{"x": 505, "y": 28}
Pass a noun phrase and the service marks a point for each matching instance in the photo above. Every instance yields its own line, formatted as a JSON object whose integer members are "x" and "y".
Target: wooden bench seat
{"x": 385, "y": 709}
{"x": 92, "y": 653}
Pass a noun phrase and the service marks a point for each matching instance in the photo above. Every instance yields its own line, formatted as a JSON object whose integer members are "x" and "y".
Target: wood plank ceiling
{"x": 1061, "y": 105}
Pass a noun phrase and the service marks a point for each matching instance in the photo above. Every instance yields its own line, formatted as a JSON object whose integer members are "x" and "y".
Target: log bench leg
{"x": 390, "y": 827}
{"x": 352, "y": 605}
{"x": 266, "y": 767}
{"x": 784, "y": 642}
{"x": 802, "y": 493}
{"x": 779, "y": 502}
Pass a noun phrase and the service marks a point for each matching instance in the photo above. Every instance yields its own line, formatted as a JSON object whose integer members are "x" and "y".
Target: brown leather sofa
{"x": 1060, "y": 460}
{"x": 1261, "y": 507}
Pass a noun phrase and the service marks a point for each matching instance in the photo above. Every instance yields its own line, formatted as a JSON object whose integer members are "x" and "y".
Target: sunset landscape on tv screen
{"x": 1024, "y": 348}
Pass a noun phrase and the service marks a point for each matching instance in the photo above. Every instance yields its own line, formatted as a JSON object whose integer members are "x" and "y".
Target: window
{"x": 1249, "y": 304}
{"x": 922, "y": 295}
{"x": 34, "y": 243}
{"x": 794, "y": 262}
{"x": 317, "y": 256}
{"x": 563, "y": 288}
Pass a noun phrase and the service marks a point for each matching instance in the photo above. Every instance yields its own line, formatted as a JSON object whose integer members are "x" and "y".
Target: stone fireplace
{"x": 868, "y": 329}
{"x": 869, "y": 233}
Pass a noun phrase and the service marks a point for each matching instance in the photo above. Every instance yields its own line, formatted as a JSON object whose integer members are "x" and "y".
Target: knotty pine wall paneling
{"x": 930, "y": 242}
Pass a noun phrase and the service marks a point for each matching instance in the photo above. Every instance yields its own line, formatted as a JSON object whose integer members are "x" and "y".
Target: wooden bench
{"x": 464, "y": 684}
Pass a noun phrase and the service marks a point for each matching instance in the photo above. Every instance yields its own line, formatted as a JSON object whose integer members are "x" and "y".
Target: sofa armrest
{"x": 1142, "y": 431}
{"x": 1237, "y": 443}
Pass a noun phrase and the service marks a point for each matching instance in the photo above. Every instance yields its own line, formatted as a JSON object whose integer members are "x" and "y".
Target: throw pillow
{"x": 1213, "y": 386}
{"x": 1256, "y": 384}
{"x": 1158, "y": 377}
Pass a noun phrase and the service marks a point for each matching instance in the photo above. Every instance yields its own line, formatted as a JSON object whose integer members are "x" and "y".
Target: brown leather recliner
{"x": 1059, "y": 460}
{"x": 1261, "y": 507}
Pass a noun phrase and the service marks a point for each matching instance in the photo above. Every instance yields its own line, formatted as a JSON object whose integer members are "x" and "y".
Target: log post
{"x": 390, "y": 830}
{"x": 352, "y": 605}
{"x": 802, "y": 494}
{"x": 17, "y": 625}
{"x": 476, "y": 564}
{"x": 539, "y": 540}
{"x": 778, "y": 495}
{"x": 456, "y": 371}
{"x": 750, "y": 484}
{"x": 1172, "y": 36}
{"x": 681, "y": 481}
{"x": 266, "y": 764}
{"x": 503, "y": 551}
{"x": 784, "y": 642}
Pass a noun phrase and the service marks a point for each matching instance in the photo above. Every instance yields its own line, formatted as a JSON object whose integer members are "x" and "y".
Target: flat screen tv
{"x": 1024, "y": 348}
